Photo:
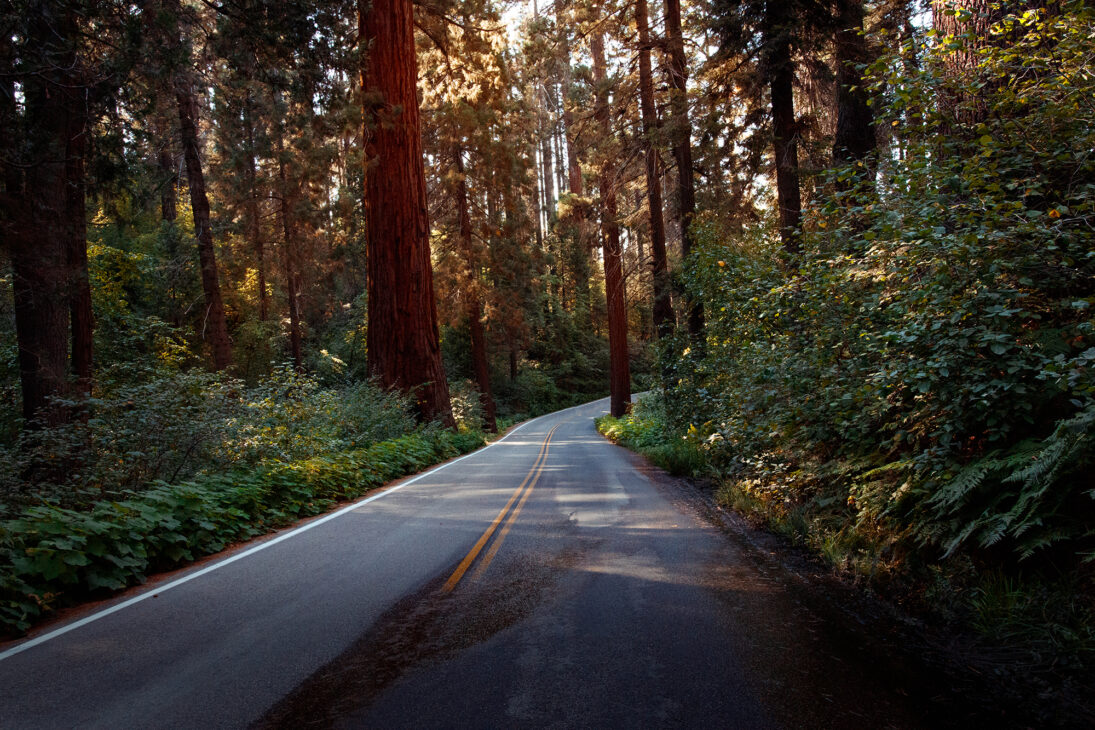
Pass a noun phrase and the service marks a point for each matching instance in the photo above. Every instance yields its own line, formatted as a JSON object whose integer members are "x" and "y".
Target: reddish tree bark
{"x": 403, "y": 344}
{"x": 214, "y": 321}
{"x": 664, "y": 320}
{"x": 474, "y": 304}
{"x": 682, "y": 145}
{"x": 619, "y": 376}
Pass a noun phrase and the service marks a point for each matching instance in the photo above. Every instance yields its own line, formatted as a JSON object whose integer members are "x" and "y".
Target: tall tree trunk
{"x": 581, "y": 248}
{"x": 682, "y": 145}
{"x": 781, "y": 76}
{"x": 169, "y": 177}
{"x": 254, "y": 227}
{"x": 855, "y": 134}
{"x": 474, "y": 304}
{"x": 289, "y": 260}
{"x": 45, "y": 229}
{"x": 404, "y": 349}
{"x": 962, "y": 107}
{"x": 664, "y": 321}
{"x": 76, "y": 224}
{"x": 619, "y": 379}
{"x": 214, "y": 320}
{"x": 548, "y": 174}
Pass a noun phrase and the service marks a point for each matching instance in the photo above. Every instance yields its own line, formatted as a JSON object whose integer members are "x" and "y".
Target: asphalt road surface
{"x": 549, "y": 580}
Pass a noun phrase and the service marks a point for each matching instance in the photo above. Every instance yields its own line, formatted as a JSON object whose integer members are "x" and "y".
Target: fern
{"x": 1015, "y": 495}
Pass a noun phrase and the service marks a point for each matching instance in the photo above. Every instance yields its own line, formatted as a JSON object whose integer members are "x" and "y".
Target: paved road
{"x": 545, "y": 581}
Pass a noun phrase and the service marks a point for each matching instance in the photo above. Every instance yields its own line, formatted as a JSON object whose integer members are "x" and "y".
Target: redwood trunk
{"x": 214, "y": 321}
{"x": 664, "y": 320}
{"x": 45, "y": 223}
{"x": 403, "y": 344}
{"x": 784, "y": 129}
{"x": 619, "y": 379}
{"x": 682, "y": 144}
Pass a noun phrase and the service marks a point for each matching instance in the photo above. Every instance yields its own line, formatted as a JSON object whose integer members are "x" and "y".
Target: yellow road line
{"x": 475, "y": 550}
{"x": 513, "y": 515}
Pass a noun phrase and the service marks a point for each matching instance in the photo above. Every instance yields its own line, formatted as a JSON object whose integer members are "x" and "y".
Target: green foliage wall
{"x": 930, "y": 353}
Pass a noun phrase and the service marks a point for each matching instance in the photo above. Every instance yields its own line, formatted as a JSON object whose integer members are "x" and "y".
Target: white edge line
{"x": 261, "y": 546}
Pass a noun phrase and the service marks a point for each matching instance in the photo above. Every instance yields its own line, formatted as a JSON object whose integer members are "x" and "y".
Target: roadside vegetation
{"x": 911, "y": 396}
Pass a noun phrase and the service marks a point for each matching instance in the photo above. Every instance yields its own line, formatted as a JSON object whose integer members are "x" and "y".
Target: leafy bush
{"x": 140, "y": 428}
{"x": 644, "y": 429}
{"x": 931, "y": 351}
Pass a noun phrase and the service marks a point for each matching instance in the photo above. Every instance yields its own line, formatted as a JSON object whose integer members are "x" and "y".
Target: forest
{"x": 259, "y": 257}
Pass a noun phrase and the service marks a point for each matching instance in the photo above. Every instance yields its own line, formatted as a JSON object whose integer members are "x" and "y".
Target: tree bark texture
{"x": 682, "y": 144}
{"x": 855, "y": 133}
{"x": 44, "y": 219}
{"x": 474, "y": 304}
{"x": 403, "y": 343}
{"x": 289, "y": 260}
{"x": 214, "y": 321}
{"x": 254, "y": 227}
{"x": 664, "y": 320}
{"x": 619, "y": 379}
{"x": 781, "y": 78}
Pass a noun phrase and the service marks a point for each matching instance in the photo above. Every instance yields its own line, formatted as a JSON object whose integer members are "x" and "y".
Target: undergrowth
{"x": 1032, "y": 611}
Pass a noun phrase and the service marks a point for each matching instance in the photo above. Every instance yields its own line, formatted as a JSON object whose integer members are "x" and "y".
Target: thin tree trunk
{"x": 75, "y": 97}
{"x": 682, "y": 146}
{"x": 474, "y": 303}
{"x": 545, "y": 154}
{"x": 664, "y": 321}
{"x": 254, "y": 228}
{"x": 289, "y": 259}
{"x": 214, "y": 320}
{"x": 404, "y": 349}
{"x": 580, "y": 256}
{"x": 619, "y": 368}
{"x": 169, "y": 194}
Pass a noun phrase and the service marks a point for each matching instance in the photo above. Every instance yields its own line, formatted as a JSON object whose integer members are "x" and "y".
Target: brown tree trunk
{"x": 254, "y": 228}
{"x": 474, "y": 303}
{"x": 682, "y": 144}
{"x": 781, "y": 77}
{"x": 855, "y": 134}
{"x": 289, "y": 259}
{"x": 76, "y": 223}
{"x": 579, "y": 258}
{"x": 214, "y": 320}
{"x": 403, "y": 343}
{"x": 664, "y": 321}
{"x": 169, "y": 195}
{"x": 619, "y": 377}
{"x": 45, "y": 229}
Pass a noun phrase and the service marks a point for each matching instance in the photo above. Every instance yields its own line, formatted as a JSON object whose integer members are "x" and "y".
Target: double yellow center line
{"x": 520, "y": 497}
